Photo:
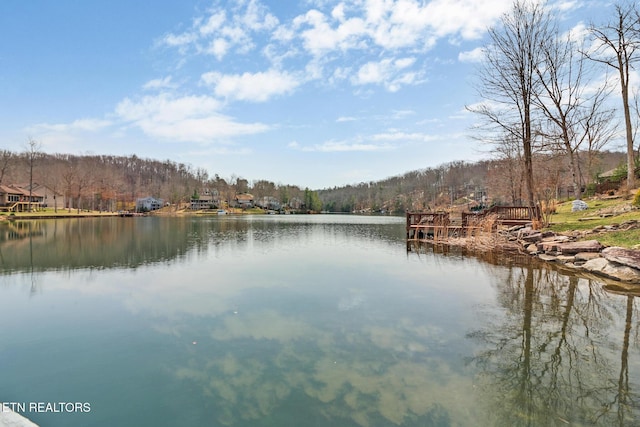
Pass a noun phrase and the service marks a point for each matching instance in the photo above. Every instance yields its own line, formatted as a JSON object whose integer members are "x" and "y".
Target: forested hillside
{"x": 105, "y": 182}
{"x": 470, "y": 184}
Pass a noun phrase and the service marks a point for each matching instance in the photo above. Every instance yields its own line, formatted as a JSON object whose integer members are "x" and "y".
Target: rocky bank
{"x": 576, "y": 252}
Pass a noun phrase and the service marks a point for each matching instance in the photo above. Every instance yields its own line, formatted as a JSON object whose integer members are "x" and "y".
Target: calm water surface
{"x": 301, "y": 321}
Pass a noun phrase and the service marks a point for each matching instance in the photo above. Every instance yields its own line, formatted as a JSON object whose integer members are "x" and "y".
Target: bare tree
{"x": 68, "y": 178}
{"x": 32, "y": 153}
{"x": 617, "y": 46}
{"x": 6, "y": 158}
{"x": 508, "y": 80}
{"x": 597, "y": 133}
{"x": 571, "y": 107}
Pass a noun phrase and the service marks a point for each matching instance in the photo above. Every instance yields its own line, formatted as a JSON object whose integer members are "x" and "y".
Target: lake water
{"x": 300, "y": 321}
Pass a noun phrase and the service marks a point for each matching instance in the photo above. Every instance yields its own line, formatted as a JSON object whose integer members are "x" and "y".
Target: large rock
{"x": 572, "y": 248}
{"x": 578, "y": 205}
{"x": 586, "y": 256}
{"x": 532, "y": 238}
{"x": 623, "y": 256}
{"x": 612, "y": 270}
{"x": 552, "y": 244}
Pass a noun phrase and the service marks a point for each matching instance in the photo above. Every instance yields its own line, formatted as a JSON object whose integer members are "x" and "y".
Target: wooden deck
{"x": 21, "y": 207}
{"x": 440, "y": 226}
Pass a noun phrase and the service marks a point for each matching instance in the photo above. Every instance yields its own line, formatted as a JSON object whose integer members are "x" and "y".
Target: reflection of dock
{"x": 441, "y": 226}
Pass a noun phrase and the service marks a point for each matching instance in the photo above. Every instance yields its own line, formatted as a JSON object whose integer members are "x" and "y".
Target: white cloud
{"x": 76, "y": 136}
{"x": 159, "y": 84}
{"x": 213, "y": 23}
{"x": 405, "y": 137}
{"x": 179, "y": 39}
{"x": 474, "y": 55}
{"x": 356, "y": 144}
{"x": 257, "y": 17}
{"x": 387, "y": 72}
{"x": 218, "y": 48}
{"x": 565, "y": 5}
{"x": 254, "y": 87}
{"x": 81, "y": 125}
{"x": 320, "y": 38}
{"x": 186, "y": 119}
{"x": 469, "y": 19}
{"x": 224, "y": 29}
{"x": 345, "y": 146}
{"x": 578, "y": 33}
{"x": 373, "y": 72}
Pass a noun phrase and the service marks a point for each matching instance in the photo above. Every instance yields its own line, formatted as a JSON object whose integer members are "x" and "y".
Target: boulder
{"x": 586, "y": 256}
{"x": 532, "y": 238}
{"x": 578, "y": 205}
{"x": 623, "y": 256}
{"x": 532, "y": 249}
{"x": 572, "y": 248}
{"x": 609, "y": 269}
{"x": 552, "y": 244}
{"x": 566, "y": 258}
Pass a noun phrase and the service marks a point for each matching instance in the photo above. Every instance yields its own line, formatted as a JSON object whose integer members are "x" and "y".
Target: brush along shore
{"x": 603, "y": 240}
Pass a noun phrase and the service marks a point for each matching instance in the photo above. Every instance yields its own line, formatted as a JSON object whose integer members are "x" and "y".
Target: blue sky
{"x": 315, "y": 93}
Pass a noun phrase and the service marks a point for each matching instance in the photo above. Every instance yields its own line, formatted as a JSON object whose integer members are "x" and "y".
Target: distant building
{"x": 147, "y": 204}
{"x": 296, "y": 203}
{"x": 207, "y": 199}
{"x": 268, "y": 202}
{"x": 15, "y": 198}
{"x": 243, "y": 201}
{"x": 51, "y": 198}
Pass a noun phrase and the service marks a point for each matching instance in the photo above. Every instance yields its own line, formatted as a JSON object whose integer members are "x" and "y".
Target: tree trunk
{"x": 631, "y": 164}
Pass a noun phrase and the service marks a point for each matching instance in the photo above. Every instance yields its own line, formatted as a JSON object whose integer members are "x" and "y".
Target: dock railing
{"x": 439, "y": 226}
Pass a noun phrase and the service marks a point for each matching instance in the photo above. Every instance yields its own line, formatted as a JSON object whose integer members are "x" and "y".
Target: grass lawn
{"x": 51, "y": 212}
{"x": 565, "y": 221}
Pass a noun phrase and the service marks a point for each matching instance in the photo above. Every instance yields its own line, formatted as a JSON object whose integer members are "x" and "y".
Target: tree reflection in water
{"x": 549, "y": 354}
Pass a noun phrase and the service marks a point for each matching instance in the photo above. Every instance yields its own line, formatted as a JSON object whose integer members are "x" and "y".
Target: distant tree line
{"x": 110, "y": 183}
{"x": 470, "y": 184}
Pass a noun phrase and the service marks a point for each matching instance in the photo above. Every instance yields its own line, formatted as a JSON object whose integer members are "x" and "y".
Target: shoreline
{"x": 613, "y": 263}
{"x": 94, "y": 214}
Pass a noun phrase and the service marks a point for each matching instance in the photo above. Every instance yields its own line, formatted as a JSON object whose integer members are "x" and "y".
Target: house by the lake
{"x": 51, "y": 198}
{"x": 243, "y": 201}
{"x": 206, "y": 199}
{"x": 147, "y": 204}
{"x": 268, "y": 202}
{"x": 15, "y": 198}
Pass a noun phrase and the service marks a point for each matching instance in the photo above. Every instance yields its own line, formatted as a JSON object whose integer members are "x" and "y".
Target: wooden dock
{"x": 441, "y": 226}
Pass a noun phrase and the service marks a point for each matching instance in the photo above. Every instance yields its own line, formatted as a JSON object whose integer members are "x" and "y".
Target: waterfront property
{"x": 206, "y": 199}
{"x": 148, "y": 204}
{"x": 18, "y": 198}
{"x": 244, "y": 201}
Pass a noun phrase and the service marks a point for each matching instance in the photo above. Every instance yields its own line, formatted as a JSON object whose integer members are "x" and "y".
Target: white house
{"x": 148, "y": 204}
